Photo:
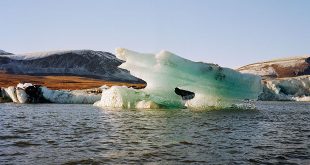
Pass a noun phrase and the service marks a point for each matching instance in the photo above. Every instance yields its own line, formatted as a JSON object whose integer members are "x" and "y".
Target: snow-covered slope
{"x": 85, "y": 63}
{"x": 2, "y": 52}
{"x": 280, "y": 68}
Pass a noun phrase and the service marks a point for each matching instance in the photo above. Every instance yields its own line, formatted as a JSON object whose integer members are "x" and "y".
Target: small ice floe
{"x": 24, "y": 93}
{"x": 29, "y": 93}
{"x": 69, "y": 97}
{"x": 23, "y": 85}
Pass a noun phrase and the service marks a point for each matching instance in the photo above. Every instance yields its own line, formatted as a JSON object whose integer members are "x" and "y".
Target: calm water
{"x": 278, "y": 132}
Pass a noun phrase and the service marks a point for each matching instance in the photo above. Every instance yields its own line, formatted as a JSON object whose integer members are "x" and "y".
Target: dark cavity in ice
{"x": 186, "y": 95}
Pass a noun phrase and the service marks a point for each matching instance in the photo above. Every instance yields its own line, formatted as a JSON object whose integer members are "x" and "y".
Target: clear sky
{"x": 230, "y": 33}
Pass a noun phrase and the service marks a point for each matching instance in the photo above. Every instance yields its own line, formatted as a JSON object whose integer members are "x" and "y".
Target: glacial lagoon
{"x": 276, "y": 132}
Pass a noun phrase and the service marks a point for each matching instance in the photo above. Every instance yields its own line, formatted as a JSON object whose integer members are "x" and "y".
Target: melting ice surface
{"x": 212, "y": 85}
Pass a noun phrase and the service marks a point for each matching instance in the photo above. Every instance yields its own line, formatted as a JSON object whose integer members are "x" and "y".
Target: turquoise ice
{"x": 214, "y": 86}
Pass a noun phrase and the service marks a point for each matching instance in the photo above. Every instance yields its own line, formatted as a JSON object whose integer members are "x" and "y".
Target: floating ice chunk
{"x": 11, "y": 92}
{"x": 21, "y": 95}
{"x": 124, "y": 97}
{"x": 23, "y": 85}
{"x": 69, "y": 97}
{"x": 302, "y": 98}
{"x": 18, "y": 94}
{"x": 104, "y": 87}
{"x": 147, "y": 105}
{"x": 211, "y": 84}
{"x": 287, "y": 89}
{"x": 28, "y": 93}
{"x": 121, "y": 97}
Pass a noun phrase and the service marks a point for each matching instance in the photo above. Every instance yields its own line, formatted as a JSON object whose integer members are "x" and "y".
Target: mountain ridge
{"x": 84, "y": 63}
{"x": 2, "y": 52}
{"x": 285, "y": 79}
{"x": 279, "y": 68}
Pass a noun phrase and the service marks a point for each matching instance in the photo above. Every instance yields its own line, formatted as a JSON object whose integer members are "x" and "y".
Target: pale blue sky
{"x": 231, "y": 33}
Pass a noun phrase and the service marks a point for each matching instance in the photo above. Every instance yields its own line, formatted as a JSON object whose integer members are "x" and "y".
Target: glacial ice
{"x": 69, "y": 97}
{"x": 40, "y": 94}
{"x": 23, "y": 85}
{"x": 213, "y": 86}
{"x": 123, "y": 97}
{"x": 11, "y": 93}
{"x": 21, "y": 95}
{"x": 287, "y": 89}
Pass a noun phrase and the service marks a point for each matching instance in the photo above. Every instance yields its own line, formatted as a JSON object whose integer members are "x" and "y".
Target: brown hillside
{"x": 281, "y": 68}
{"x": 59, "y": 82}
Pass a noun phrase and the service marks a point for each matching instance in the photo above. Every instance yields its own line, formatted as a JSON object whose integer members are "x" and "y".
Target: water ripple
{"x": 275, "y": 133}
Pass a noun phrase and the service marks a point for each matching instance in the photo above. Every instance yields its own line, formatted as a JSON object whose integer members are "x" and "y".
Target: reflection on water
{"x": 278, "y": 132}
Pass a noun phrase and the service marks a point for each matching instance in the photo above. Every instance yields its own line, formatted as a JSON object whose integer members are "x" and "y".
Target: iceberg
{"x": 23, "y": 93}
{"x": 10, "y": 92}
{"x": 287, "y": 89}
{"x": 69, "y": 97}
{"x": 28, "y": 93}
{"x": 124, "y": 97}
{"x": 176, "y": 82}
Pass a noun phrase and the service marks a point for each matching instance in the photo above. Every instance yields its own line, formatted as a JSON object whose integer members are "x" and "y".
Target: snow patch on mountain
{"x": 84, "y": 63}
{"x": 280, "y": 68}
{"x": 2, "y": 52}
{"x": 43, "y": 54}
